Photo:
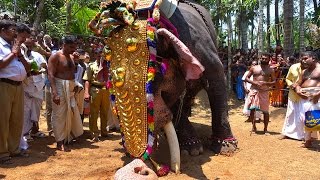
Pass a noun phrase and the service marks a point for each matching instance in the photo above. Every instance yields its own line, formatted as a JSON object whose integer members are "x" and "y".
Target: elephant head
{"x": 145, "y": 84}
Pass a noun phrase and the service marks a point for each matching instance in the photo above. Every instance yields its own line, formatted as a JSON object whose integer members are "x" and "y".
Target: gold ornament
{"x": 129, "y": 70}
{"x": 119, "y": 76}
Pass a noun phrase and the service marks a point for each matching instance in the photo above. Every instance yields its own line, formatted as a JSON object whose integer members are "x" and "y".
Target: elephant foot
{"x": 191, "y": 146}
{"x": 188, "y": 141}
{"x": 225, "y": 147}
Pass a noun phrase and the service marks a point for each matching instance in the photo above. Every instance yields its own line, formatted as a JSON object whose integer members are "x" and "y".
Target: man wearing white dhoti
{"x": 293, "y": 127}
{"x": 66, "y": 121}
{"x": 308, "y": 87}
{"x": 33, "y": 89}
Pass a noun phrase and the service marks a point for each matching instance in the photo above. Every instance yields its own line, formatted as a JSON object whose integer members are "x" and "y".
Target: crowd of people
{"x": 68, "y": 77}
{"x": 292, "y": 82}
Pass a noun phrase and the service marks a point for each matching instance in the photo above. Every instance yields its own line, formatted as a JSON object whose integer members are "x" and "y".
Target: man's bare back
{"x": 63, "y": 65}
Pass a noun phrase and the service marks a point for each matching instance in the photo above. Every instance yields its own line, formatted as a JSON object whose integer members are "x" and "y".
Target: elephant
{"x": 196, "y": 30}
{"x": 180, "y": 68}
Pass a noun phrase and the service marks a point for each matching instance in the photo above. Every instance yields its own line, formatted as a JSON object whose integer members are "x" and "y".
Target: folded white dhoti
{"x": 293, "y": 126}
{"x": 310, "y": 90}
{"x": 66, "y": 120}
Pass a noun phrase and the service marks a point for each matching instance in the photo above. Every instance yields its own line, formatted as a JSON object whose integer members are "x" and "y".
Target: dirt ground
{"x": 258, "y": 157}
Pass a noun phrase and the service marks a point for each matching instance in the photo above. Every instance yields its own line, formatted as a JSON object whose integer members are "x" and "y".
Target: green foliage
{"x": 54, "y": 29}
{"x": 81, "y": 19}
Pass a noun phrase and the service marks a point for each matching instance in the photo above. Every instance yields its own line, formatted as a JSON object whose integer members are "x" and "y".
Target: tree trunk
{"x": 316, "y": 12}
{"x": 234, "y": 39}
{"x": 229, "y": 50}
{"x": 217, "y": 20}
{"x": 288, "y": 44}
{"x": 69, "y": 16}
{"x": 244, "y": 30}
{"x": 260, "y": 26}
{"x": 301, "y": 28}
{"x": 277, "y": 22}
{"x": 39, "y": 12}
{"x": 239, "y": 35}
{"x": 252, "y": 32}
{"x": 268, "y": 27}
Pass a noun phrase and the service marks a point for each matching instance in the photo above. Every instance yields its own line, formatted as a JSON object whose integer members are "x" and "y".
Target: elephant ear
{"x": 190, "y": 64}
{"x": 192, "y": 67}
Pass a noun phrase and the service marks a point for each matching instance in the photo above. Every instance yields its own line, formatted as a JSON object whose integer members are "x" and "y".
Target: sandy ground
{"x": 258, "y": 157}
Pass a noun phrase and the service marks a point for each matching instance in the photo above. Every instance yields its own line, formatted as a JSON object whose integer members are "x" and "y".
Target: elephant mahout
{"x": 160, "y": 54}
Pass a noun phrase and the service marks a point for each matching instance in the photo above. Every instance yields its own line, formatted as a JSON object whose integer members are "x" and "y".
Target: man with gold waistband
{"x": 95, "y": 79}
{"x": 13, "y": 70}
{"x": 309, "y": 89}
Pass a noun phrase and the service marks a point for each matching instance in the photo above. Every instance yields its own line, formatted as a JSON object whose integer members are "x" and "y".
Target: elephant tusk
{"x": 173, "y": 146}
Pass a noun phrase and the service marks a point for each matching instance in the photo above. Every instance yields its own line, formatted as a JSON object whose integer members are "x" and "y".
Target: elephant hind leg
{"x": 222, "y": 138}
{"x": 224, "y": 147}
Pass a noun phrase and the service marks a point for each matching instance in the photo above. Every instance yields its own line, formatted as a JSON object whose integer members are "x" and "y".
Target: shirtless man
{"x": 66, "y": 121}
{"x": 258, "y": 97}
{"x": 308, "y": 87}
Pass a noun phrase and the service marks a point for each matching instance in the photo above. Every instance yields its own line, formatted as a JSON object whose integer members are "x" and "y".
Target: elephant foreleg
{"x": 186, "y": 133}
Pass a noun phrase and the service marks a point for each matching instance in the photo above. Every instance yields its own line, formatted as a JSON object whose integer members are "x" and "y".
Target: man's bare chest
{"x": 314, "y": 75}
{"x": 66, "y": 65}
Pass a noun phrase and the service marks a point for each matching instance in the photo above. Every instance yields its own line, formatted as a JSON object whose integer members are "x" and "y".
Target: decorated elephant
{"x": 157, "y": 64}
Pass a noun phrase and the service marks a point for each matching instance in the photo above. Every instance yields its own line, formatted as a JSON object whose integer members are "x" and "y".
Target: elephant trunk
{"x": 173, "y": 146}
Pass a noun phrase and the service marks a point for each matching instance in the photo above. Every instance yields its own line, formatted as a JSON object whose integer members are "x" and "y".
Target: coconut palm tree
{"x": 288, "y": 44}
{"x": 316, "y": 14}
{"x": 302, "y": 25}
{"x": 260, "y": 26}
{"x": 268, "y": 25}
{"x": 69, "y": 15}
{"x": 277, "y": 22}
{"x": 39, "y": 12}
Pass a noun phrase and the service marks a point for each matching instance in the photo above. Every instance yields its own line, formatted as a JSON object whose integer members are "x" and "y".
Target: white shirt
{"x": 248, "y": 85}
{"x": 79, "y": 74}
{"x": 15, "y": 69}
{"x": 33, "y": 85}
